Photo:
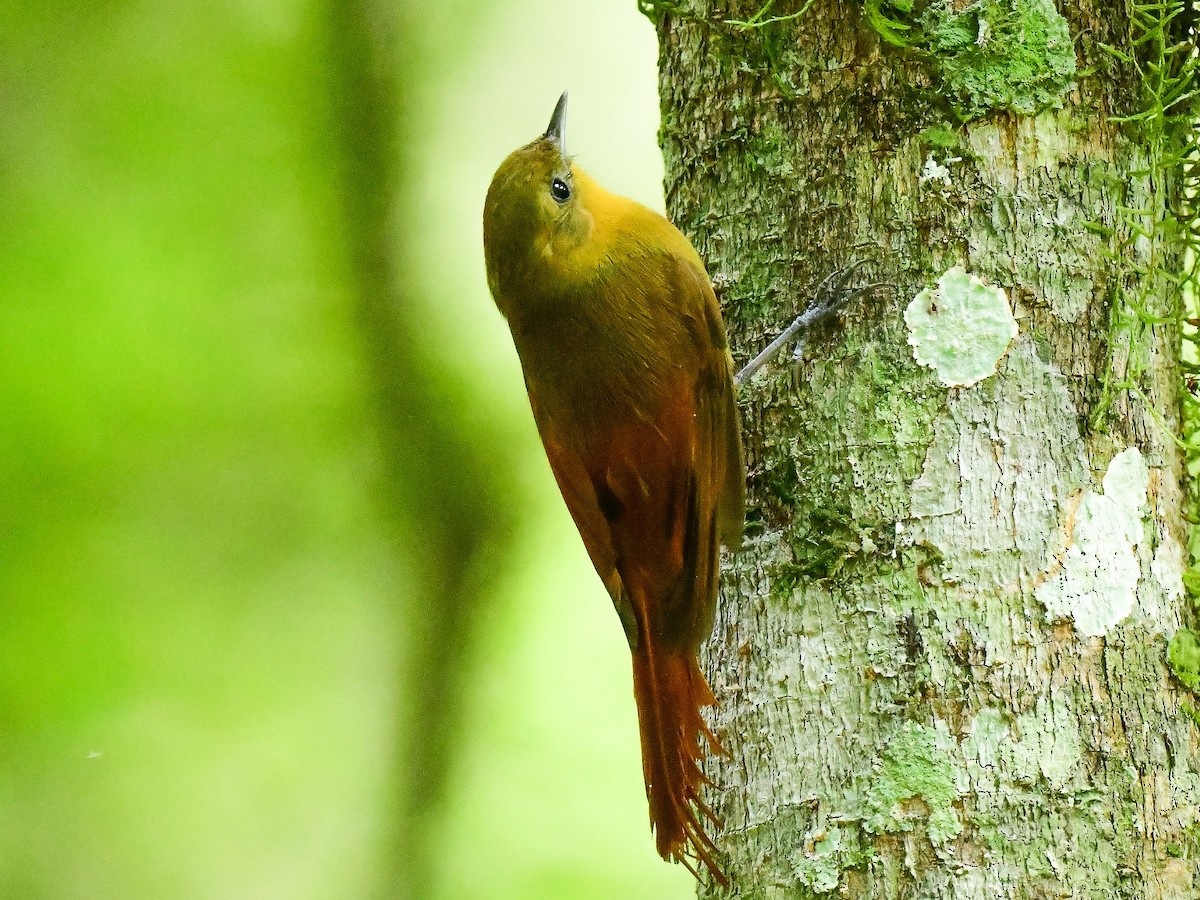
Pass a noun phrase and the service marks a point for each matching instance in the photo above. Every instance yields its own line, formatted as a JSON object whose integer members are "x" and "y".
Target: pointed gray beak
{"x": 557, "y": 132}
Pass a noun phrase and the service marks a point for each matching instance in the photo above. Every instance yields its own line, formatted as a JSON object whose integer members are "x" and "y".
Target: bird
{"x": 631, "y": 383}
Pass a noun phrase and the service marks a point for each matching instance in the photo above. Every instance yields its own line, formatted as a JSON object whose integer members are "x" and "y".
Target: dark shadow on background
{"x": 441, "y": 492}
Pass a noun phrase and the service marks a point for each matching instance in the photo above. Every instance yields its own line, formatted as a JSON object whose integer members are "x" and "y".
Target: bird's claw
{"x": 830, "y": 296}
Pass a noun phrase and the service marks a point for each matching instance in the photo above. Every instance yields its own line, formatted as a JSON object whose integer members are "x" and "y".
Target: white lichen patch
{"x": 961, "y": 329}
{"x": 1005, "y": 465}
{"x": 1158, "y": 600}
{"x": 936, "y": 171}
{"x": 1167, "y": 569}
{"x": 1097, "y": 584}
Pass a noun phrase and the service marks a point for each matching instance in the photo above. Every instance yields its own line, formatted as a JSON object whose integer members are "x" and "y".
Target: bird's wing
{"x": 659, "y": 483}
{"x": 579, "y": 492}
{"x": 717, "y": 416}
{"x": 654, "y": 490}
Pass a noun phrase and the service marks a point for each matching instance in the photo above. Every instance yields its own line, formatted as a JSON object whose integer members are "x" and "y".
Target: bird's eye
{"x": 559, "y": 190}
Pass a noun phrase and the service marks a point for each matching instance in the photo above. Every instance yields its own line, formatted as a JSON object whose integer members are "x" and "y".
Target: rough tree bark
{"x": 941, "y": 660}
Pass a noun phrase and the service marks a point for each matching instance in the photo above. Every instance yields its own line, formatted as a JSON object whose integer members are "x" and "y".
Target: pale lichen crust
{"x": 1097, "y": 583}
{"x": 961, "y": 329}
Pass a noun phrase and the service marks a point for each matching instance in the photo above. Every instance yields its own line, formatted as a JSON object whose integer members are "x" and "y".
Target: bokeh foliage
{"x": 214, "y": 543}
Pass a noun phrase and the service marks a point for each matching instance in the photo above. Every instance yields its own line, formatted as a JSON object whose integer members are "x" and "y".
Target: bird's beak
{"x": 557, "y": 132}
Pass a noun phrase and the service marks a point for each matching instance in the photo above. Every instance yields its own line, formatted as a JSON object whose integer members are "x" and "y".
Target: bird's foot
{"x": 830, "y": 297}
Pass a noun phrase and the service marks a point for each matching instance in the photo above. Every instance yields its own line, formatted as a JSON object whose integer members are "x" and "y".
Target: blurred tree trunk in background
{"x": 942, "y": 657}
{"x": 440, "y": 489}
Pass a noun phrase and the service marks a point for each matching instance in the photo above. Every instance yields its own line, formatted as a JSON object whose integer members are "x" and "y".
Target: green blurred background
{"x": 222, "y": 541}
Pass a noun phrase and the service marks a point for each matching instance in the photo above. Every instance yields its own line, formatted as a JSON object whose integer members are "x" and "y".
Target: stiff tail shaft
{"x": 670, "y": 690}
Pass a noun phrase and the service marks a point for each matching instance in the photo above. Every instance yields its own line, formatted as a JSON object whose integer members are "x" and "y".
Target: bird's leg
{"x": 830, "y": 296}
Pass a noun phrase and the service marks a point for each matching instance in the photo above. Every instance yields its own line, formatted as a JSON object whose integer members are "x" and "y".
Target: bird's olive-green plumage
{"x": 630, "y": 379}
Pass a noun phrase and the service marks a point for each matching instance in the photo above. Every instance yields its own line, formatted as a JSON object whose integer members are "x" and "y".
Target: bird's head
{"x": 535, "y": 212}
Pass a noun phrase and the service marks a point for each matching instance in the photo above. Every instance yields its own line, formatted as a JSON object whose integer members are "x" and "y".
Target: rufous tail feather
{"x": 670, "y": 690}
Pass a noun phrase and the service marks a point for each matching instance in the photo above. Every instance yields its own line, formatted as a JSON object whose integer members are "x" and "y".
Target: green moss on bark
{"x": 989, "y": 56}
{"x": 1183, "y": 654}
{"x": 914, "y": 780}
{"x": 1014, "y": 55}
{"x": 838, "y": 508}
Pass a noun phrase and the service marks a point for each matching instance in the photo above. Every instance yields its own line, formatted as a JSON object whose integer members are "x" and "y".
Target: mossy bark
{"x": 904, "y": 717}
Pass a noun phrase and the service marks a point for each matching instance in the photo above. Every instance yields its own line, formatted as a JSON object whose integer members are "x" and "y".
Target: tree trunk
{"x": 941, "y": 659}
